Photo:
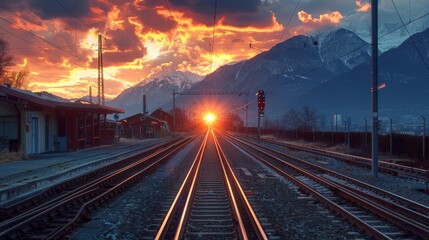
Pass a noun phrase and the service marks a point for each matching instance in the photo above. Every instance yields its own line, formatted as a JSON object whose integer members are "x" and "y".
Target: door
{"x": 34, "y": 135}
{"x": 47, "y": 133}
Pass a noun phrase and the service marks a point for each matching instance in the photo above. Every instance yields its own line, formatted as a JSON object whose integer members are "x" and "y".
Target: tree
{"x": 5, "y": 58}
{"x": 233, "y": 122}
{"x": 21, "y": 78}
{"x": 304, "y": 119}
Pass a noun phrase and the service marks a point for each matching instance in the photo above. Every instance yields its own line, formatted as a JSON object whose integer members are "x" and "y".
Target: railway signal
{"x": 261, "y": 102}
{"x": 261, "y": 108}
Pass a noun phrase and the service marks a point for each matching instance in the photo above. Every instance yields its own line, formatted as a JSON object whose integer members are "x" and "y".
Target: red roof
{"x": 55, "y": 103}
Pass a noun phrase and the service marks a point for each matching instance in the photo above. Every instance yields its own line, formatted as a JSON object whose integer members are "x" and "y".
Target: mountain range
{"x": 330, "y": 72}
{"x": 158, "y": 90}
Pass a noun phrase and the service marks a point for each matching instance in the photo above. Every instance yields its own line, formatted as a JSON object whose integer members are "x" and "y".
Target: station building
{"x": 36, "y": 123}
{"x": 141, "y": 125}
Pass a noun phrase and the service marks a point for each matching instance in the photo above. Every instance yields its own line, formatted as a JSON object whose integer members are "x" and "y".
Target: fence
{"x": 402, "y": 144}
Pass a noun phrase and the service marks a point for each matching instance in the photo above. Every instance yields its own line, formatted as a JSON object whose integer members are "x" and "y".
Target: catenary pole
{"x": 374, "y": 89}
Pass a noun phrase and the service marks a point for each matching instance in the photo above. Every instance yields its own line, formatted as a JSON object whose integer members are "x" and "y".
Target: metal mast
{"x": 374, "y": 89}
{"x": 100, "y": 72}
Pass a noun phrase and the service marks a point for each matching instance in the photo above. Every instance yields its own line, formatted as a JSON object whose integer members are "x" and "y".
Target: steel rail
{"x": 106, "y": 195}
{"x": 54, "y": 192}
{"x": 404, "y": 221}
{"x": 187, "y": 192}
{"x": 404, "y": 201}
{"x": 49, "y": 209}
{"x": 260, "y": 233}
{"x": 325, "y": 201}
{"x": 162, "y": 231}
{"x": 88, "y": 185}
{"x": 192, "y": 188}
{"x": 418, "y": 173}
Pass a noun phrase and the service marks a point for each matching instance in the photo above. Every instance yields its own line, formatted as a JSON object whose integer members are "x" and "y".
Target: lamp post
{"x": 345, "y": 131}
{"x": 365, "y": 135}
{"x": 391, "y": 136}
{"x": 424, "y": 136}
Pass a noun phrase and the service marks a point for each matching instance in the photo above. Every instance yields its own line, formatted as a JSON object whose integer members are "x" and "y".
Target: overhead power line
{"x": 411, "y": 37}
{"x": 270, "y": 91}
{"x": 48, "y": 42}
{"x": 290, "y": 19}
{"x": 213, "y": 37}
{"x": 44, "y": 40}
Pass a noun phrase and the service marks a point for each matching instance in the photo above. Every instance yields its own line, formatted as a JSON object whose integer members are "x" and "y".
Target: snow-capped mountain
{"x": 341, "y": 50}
{"x": 158, "y": 89}
{"x": 404, "y": 70}
{"x": 391, "y": 34}
{"x": 302, "y": 59}
{"x": 290, "y": 68}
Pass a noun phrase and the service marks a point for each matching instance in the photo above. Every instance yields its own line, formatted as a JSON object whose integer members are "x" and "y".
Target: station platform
{"x": 24, "y": 177}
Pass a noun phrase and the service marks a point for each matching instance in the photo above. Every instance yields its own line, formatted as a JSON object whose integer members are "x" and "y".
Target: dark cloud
{"x": 154, "y": 21}
{"x": 222, "y": 7}
{"x": 240, "y": 13}
{"x": 13, "y": 5}
{"x": 258, "y": 19}
{"x": 237, "y": 40}
{"x": 50, "y": 9}
{"x": 111, "y": 59}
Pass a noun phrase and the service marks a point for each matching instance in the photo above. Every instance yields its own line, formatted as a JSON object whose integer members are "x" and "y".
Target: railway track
{"x": 210, "y": 204}
{"x": 381, "y": 214}
{"x": 392, "y": 168}
{"x": 55, "y": 213}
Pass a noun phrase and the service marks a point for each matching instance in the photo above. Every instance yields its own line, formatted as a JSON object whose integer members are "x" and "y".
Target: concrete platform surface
{"x": 21, "y": 178}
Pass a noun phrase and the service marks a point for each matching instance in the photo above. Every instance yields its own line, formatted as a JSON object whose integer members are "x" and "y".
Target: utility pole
{"x": 174, "y": 109}
{"x": 374, "y": 89}
{"x": 365, "y": 133}
{"x": 144, "y": 105}
{"x": 349, "y": 122}
{"x": 424, "y": 137}
{"x": 100, "y": 72}
{"x": 391, "y": 136}
{"x": 90, "y": 94}
{"x": 345, "y": 131}
{"x": 247, "y": 107}
{"x": 259, "y": 128}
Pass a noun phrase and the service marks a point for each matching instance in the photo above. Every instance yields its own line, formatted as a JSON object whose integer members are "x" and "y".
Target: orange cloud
{"x": 365, "y": 7}
{"x": 326, "y": 18}
{"x": 138, "y": 41}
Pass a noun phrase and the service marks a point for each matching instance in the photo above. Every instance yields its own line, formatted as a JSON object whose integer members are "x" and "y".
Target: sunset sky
{"x": 58, "y": 38}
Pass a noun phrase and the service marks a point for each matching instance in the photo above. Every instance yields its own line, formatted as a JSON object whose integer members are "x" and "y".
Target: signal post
{"x": 261, "y": 108}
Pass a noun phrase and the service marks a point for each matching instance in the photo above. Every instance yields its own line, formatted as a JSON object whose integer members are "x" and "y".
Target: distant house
{"x": 164, "y": 116}
{"x": 36, "y": 123}
{"x": 146, "y": 126}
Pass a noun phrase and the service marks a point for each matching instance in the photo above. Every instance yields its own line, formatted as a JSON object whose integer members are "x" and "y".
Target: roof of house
{"x": 148, "y": 118}
{"x": 48, "y": 101}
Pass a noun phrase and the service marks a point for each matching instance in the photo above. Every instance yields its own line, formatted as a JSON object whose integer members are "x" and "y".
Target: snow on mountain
{"x": 391, "y": 34}
{"x": 403, "y": 69}
{"x": 289, "y": 69}
{"x": 342, "y": 50}
{"x": 158, "y": 89}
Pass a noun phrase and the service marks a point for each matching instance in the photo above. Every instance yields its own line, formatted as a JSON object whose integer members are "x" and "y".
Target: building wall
{"x": 9, "y": 133}
{"x": 39, "y": 129}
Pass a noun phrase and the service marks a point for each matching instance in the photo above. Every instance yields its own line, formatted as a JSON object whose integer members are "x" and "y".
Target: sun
{"x": 209, "y": 118}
